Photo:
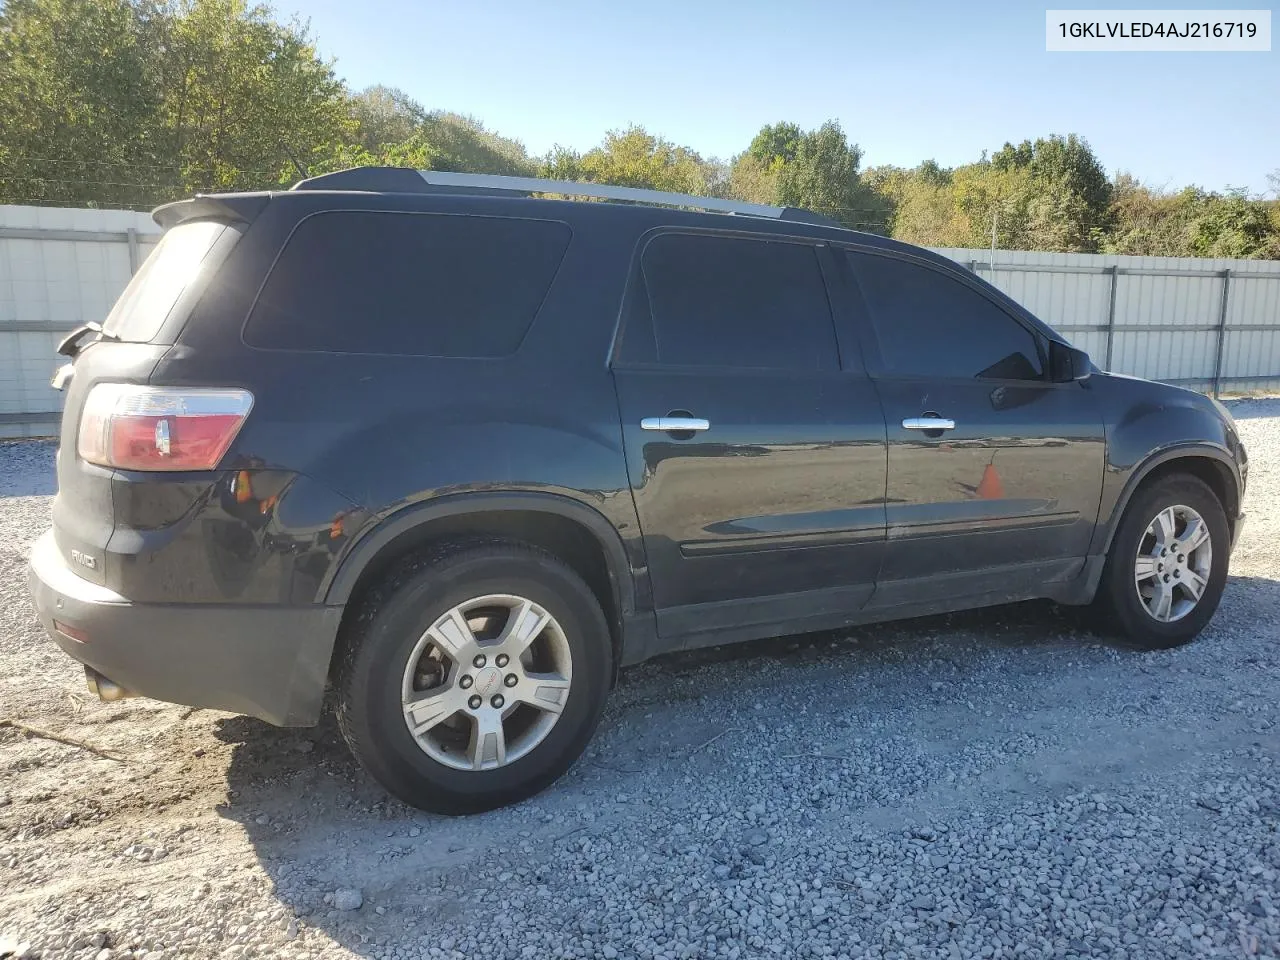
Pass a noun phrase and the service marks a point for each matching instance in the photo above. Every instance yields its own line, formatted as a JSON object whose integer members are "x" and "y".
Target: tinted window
{"x": 423, "y": 284}
{"x": 738, "y": 303}
{"x": 931, "y": 325}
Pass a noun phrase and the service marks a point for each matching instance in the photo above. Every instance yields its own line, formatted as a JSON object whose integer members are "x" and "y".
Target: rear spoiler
{"x": 228, "y": 207}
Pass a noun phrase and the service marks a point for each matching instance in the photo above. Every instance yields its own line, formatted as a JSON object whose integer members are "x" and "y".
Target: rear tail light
{"x": 136, "y": 427}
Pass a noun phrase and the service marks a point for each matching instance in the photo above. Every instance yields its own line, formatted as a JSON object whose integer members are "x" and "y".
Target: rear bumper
{"x": 265, "y": 661}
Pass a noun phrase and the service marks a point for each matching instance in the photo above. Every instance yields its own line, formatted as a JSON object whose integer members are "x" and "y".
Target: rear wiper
{"x": 73, "y": 342}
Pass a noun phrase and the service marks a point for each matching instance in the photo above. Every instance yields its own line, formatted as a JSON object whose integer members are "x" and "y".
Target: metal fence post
{"x": 1222, "y": 333}
{"x": 132, "y": 237}
{"x": 1111, "y": 315}
{"x": 973, "y": 266}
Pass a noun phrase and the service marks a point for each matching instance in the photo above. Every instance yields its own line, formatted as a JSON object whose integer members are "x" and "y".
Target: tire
{"x": 1134, "y": 607}
{"x": 453, "y": 765}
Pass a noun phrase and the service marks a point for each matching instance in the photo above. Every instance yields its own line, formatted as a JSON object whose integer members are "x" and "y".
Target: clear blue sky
{"x": 908, "y": 81}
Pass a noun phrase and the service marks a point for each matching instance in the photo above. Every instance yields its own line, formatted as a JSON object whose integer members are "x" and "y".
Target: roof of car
{"x": 493, "y": 189}
{"x": 405, "y": 180}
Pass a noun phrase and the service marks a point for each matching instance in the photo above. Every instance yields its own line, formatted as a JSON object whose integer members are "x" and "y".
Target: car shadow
{"x": 318, "y": 823}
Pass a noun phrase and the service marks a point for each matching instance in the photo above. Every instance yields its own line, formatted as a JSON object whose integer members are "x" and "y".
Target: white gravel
{"x": 994, "y": 784}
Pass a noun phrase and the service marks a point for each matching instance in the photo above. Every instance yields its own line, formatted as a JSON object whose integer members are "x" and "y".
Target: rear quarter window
{"x": 419, "y": 284}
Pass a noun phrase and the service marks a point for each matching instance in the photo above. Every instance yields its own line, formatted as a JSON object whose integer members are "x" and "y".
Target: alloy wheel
{"x": 486, "y": 682}
{"x": 1175, "y": 558}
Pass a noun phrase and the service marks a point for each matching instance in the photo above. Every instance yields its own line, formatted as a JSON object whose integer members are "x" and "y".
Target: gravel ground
{"x": 994, "y": 784}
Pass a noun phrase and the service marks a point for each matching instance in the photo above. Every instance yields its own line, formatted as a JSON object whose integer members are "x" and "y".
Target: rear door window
{"x": 731, "y": 302}
{"x": 407, "y": 283}
{"x": 175, "y": 262}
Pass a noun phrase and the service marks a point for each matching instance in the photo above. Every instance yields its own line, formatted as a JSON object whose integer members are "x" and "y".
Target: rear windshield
{"x": 154, "y": 289}
{"x": 417, "y": 284}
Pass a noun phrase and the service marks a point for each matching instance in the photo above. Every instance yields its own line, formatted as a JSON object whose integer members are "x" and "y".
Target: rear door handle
{"x": 674, "y": 424}
{"x": 928, "y": 423}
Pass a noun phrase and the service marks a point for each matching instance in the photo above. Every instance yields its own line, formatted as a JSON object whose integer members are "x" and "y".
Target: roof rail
{"x": 404, "y": 180}
{"x": 599, "y": 191}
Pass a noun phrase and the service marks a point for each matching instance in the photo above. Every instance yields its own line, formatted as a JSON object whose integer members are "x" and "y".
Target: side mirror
{"x": 1067, "y": 363}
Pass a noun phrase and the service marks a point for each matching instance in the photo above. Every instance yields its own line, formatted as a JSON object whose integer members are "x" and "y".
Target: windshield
{"x": 155, "y": 288}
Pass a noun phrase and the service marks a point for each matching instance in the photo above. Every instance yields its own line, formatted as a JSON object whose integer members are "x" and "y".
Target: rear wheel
{"x": 1168, "y": 564}
{"x": 474, "y": 677}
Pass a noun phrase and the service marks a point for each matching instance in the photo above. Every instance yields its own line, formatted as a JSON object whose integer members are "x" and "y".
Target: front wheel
{"x": 1168, "y": 564}
{"x": 474, "y": 677}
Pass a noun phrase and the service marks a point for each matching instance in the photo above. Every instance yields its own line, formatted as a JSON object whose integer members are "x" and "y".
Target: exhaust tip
{"x": 106, "y": 690}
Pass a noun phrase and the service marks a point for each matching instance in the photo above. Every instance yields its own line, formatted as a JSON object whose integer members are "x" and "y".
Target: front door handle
{"x": 928, "y": 423}
{"x": 674, "y": 424}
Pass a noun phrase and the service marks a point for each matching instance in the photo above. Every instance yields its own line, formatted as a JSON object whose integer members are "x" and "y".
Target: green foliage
{"x": 990, "y": 198}
{"x": 931, "y": 173}
{"x": 822, "y": 175}
{"x": 131, "y": 102}
{"x": 753, "y": 179}
{"x": 1147, "y": 223}
{"x": 561, "y": 163}
{"x": 79, "y": 96}
{"x": 243, "y": 96}
{"x": 1053, "y": 194}
{"x": 921, "y": 202}
{"x": 394, "y": 130}
{"x": 633, "y": 158}
{"x": 135, "y": 102}
{"x": 776, "y": 143}
{"x": 1191, "y": 223}
{"x": 815, "y": 169}
{"x": 384, "y": 116}
{"x": 1067, "y": 193}
{"x": 464, "y": 145}
{"x": 1232, "y": 226}
{"x": 1050, "y": 194}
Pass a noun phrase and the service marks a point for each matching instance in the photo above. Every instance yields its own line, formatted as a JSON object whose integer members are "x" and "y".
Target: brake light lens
{"x": 135, "y": 427}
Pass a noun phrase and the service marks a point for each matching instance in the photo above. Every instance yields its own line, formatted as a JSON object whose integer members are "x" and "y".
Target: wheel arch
{"x": 1212, "y": 464}
{"x": 573, "y": 531}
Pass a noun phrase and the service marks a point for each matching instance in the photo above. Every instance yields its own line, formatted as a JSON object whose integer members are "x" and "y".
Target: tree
{"x": 753, "y": 180}
{"x": 997, "y": 199}
{"x": 1147, "y": 223}
{"x": 463, "y": 144}
{"x": 395, "y": 131}
{"x": 1233, "y": 226}
{"x": 919, "y": 204}
{"x": 245, "y": 96}
{"x": 561, "y": 163}
{"x": 79, "y": 94}
{"x": 776, "y": 143}
{"x": 1047, "y": 194}
{"x": 133, "y": 102}
{"x": 932, "y": 174}
{"x": 823, "y": 175}
{"x": 632, "y": 158}
{"x": 1191, "y": 223}
{"x": 385, "y": 116}
{"x": 816, "y": 170}
{"x": 1068, "y": 194}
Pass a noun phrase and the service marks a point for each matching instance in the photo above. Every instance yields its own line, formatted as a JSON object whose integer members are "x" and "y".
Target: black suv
{"x": 459, "y": 451}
